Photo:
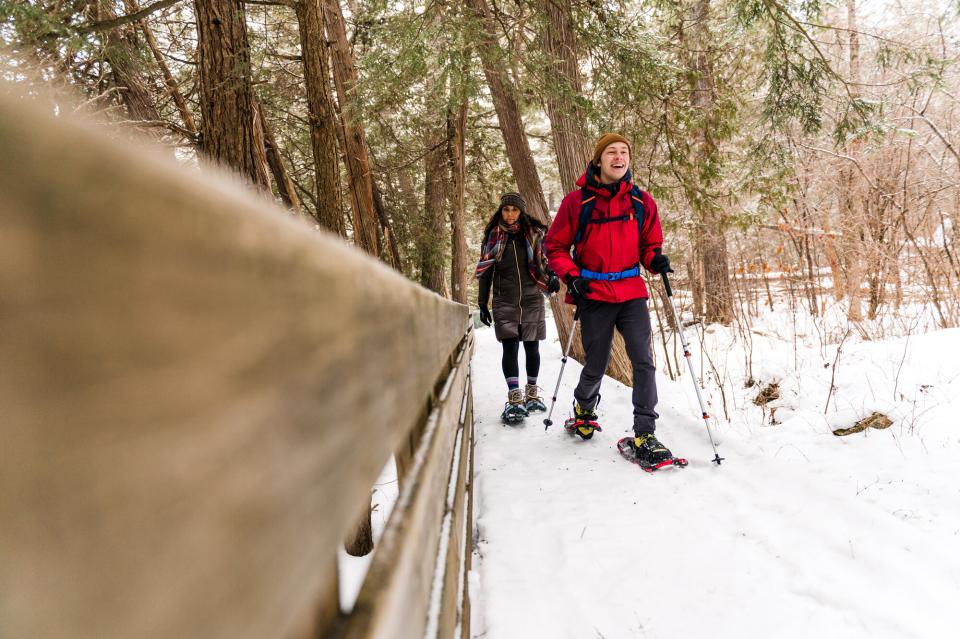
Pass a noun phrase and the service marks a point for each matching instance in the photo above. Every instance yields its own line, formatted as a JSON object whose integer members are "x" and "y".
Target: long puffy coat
{"x": 518, "y": 309}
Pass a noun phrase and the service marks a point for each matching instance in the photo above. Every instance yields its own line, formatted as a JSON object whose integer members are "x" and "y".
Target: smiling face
{"x": 510, "y": 214}
{"x": 614, "y": 162}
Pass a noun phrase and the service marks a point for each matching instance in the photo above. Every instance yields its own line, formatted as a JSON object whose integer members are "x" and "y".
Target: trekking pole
{"x": 689, "y": 357}
{"x": 547, "y": 423}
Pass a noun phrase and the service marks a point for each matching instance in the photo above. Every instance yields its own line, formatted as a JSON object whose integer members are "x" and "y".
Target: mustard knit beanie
{"x": 606, "y": 140}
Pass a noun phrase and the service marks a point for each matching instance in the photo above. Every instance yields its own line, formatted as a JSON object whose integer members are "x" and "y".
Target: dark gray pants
{"x": 632, "y": 319}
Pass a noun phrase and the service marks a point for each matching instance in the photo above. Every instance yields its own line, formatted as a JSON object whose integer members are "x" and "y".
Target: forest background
{"x": 802, "y": 151}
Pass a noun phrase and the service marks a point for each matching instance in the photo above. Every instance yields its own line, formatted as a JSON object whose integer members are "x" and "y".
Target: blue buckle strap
{"x": 610, "y": 277}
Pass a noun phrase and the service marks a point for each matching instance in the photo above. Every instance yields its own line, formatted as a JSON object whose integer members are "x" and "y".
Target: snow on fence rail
{"x": 197, "y": 394}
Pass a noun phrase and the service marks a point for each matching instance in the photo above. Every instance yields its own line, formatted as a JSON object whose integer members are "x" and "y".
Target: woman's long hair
{"x": 526, "y": 223}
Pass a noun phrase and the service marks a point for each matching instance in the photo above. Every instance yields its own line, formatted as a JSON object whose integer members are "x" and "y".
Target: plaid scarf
{"x": 496, "y": 242}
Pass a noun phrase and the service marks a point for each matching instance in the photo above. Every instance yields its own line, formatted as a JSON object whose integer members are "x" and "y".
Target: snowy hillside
{"x": 800, "y": 533}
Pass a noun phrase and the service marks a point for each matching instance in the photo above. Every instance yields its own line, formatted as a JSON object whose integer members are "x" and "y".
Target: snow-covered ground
{"x": 799, "y": 533}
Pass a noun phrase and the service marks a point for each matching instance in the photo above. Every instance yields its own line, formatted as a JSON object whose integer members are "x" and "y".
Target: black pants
{"x": 510, "y": 363}
{"x": 632, "y": 319}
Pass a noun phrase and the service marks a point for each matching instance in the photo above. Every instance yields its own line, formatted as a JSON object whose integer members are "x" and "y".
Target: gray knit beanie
{"x": 513, "y": 199}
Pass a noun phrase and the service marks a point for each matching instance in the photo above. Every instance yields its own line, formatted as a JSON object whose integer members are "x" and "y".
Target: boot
{"x": 513, "y": 410}
{"x": 532, "y": 401}
{"x": 583, "y": 422}
{"x": 648, "y": 450}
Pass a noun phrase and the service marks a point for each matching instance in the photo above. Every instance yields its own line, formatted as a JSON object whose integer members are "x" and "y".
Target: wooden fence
{"x": 197, "y": 394}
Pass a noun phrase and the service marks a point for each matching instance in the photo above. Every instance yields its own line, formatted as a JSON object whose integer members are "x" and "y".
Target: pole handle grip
{"x": 666, "y": 280}
{"x": 666, "y": 284}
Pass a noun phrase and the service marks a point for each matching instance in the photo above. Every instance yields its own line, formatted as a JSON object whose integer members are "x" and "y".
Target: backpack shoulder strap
{"x": 587, "y": 202}
{"x": 636, "y": 198}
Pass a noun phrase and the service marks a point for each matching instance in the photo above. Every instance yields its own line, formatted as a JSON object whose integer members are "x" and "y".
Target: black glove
{"x": 485, "y": 317}
{"x": 553, "y": 284}
{"x": 579, "y": 287}
{"x": 660, "y": 264}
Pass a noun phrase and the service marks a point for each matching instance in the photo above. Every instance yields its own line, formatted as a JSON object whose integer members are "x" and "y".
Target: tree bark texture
{"x": 518, "y": 149}
{"x": 525, "y": 169}
{"x": 123, "y": 54}
{"x": 356, "y": 155}
{"x": 323, "y": 119}
{"x": 431, "y": 242}
{"x": 456, "y": 135}
{"x": 387, "y": 227}
{"x": 186, "y": 117}
{"x": 833, "y": 257}
{"x": 508, "y": 115}
{"x": 568, "y": 123}
{"x": 229, "y": 135}
{"x": 851, "y": 199}
{"x": 695, "y": 273}
{"x": 718, "y": 294}
{"x": 281, "y": 177}
{"x": 568, "y": 126}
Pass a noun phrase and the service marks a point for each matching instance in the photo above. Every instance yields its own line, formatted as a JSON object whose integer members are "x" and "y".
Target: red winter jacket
{"x": 605, "y": 248}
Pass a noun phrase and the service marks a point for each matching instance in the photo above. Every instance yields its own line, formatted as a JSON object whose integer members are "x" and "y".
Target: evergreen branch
{"x": 106, "y": 25}
{"x": 773, "y": 4}
{"x": 829, "y": 27}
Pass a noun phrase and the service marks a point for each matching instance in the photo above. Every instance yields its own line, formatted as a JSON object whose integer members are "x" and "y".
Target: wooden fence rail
{"x": 197, "y": 394}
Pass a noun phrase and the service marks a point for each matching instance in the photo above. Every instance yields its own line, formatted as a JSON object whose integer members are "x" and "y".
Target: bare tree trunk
{"x": 695, "y": 273}
{"x": 323, "y": 119}
{"x": 387, "y": 228}
{"x": 716, "y": 275}
{"x": 430, "y": 242}
{"x": 833, "y": 258}
{"x": 568, "y": 126}
{"x": 851, "y": 203}
{"x": 718, "y": 295}
{"x": 281, "y": 177}
{"x": 186, "y": 117}
{"x": 458, "y": 171}
{"x": 508, "y": 115}
{"x": 122, "y": 52}
{"x": 355, "y": 150}
{"x": 360, "y": 541}
{"x": 229, "y": 135}
{"x": 518, "y": 152}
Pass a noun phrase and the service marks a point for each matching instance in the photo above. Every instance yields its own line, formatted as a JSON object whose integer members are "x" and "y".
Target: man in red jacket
{"x": 621, "y": 233}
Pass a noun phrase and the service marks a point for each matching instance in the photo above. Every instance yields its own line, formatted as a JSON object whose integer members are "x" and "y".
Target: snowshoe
{"x": 514, "y": 411}
{"x": 648, "y": 453}
{"x": 533, "y": 402}
{"x": 583, "y": 423}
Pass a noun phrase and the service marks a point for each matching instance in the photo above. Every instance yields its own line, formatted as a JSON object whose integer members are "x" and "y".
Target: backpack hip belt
{"x": 610, "y": 277}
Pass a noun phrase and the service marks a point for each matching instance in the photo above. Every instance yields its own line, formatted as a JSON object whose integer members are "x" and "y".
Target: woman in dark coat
{"x": 513, "y": 264}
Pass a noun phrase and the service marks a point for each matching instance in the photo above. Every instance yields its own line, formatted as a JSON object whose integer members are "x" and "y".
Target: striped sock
{"x": 513, "y": 383}
{"x": 531, "y": 381}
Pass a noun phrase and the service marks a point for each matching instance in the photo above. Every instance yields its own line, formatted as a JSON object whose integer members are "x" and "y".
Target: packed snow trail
{"x": 798, "y": 534}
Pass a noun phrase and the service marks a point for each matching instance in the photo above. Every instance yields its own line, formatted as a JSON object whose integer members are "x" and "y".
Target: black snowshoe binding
{"x": 514, "y": 411}
{"x": 583, "y": 423}
{"x": 647, "y": 452}
{"x": 533, "y": 402}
